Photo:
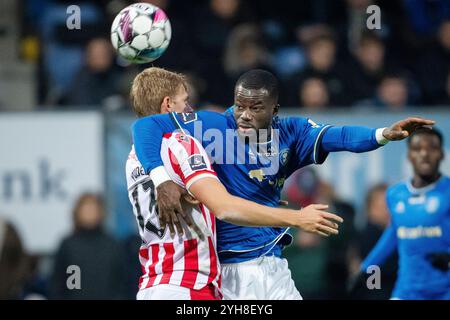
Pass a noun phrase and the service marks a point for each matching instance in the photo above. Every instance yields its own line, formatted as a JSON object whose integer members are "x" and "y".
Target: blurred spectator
{"x": 367, "y": 70}
{"x": 378, "y": 219}
{"x": 13, "y": 263}
{"x": 322, "y": 63}
{"x": 319, "y": 266}
{"x": 98, "y": 79}
{"x": 245, "y": 51}
{"x": 433, "y": 66}
{"x": 446, "y": 101}
{"x": 391, "y": 94}
{"x": 313, "y": 94}
{"x": 356, "y": 20}
{"x": 211, "y": 27}
{"x": 98, "y": 255}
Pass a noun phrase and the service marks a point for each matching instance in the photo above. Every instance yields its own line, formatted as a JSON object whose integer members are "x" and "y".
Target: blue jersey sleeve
{"x": 349, "y": 138}
{"x": 384, "y": 248}
{"x": 307, "y": 137}
{"x": 147, "y": 137}
{"x": 148, "y": 132}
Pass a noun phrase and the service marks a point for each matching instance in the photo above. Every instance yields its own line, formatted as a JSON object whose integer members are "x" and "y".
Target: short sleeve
{"x": 185, "y": 158}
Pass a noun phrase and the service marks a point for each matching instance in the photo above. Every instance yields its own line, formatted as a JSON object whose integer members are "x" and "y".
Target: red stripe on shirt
{"x": 213, "y": 261}
{"x": 176, "y": 166}
{"x": 167, "y": 265}
{"x": 155, "y": 260}
{"x": 190, "y": 263}
{"x": 143, "y": 253}
{"x": 202, "y": 208}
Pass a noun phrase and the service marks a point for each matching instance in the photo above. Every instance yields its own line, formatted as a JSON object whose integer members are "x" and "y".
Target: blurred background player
{"x": 420, "y": 224}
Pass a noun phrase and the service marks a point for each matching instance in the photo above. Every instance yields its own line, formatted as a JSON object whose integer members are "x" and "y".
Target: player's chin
{"x": 248, "y": 132}
{"x": 426, "y": 170}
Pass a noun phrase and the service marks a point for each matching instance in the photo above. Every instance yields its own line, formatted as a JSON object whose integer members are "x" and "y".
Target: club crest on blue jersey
{"x": 284, "y": 156}
{"x": 196, "y": 162}
{"x": 432, "y": 204}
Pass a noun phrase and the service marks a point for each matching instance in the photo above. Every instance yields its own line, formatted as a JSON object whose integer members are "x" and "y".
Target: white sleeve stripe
{"x": 174, "y": 116}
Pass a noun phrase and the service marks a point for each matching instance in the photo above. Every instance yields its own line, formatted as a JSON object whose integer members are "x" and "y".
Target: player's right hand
{"x": 169, "y": 196}
{"x": 315, "y": 219}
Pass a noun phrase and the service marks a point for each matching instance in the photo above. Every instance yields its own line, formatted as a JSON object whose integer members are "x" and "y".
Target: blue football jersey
{"x": 420, "y": 225}
{"x": 257, "y": 173}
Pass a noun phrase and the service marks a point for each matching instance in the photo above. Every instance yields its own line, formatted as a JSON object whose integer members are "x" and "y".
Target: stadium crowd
{"x": 321, "y": 50}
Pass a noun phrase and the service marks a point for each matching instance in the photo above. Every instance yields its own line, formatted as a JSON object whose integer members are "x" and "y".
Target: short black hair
{"x": 428, "y": 131}
{"x": 259, "y": 79}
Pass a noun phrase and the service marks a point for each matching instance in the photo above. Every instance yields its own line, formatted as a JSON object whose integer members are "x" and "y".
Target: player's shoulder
{"x": 397, "y": 189}
{"x": 290, "y": 123}
{"x": 446, "y": 180}
{"x": 444, "y": 184}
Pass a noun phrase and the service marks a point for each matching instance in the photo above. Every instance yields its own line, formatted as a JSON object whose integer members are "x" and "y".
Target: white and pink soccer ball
{"x": 141, "y": 33}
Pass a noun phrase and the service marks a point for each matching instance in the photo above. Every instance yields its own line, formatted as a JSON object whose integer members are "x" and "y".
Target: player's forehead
{"x": 252, "y": 96}
{"x": 425, "y": 140}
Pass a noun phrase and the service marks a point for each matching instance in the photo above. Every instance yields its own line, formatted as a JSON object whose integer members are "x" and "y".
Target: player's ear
{"x": 165, "y": 105}
{"x": 275, "y": 109}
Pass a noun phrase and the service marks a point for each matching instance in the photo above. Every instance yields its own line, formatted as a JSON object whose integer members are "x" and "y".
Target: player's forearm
{"x": 246, "y": 213}
{"x": 384, "y": 248}
{"x": 352, "y": 138}
{"x": 236, "y": 210}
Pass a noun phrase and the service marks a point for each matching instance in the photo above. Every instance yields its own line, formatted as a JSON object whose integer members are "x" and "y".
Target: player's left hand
{"x": 403, "y": 128}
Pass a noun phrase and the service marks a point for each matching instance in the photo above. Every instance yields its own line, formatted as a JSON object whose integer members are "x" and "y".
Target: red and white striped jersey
{"x": 185, "y": 260}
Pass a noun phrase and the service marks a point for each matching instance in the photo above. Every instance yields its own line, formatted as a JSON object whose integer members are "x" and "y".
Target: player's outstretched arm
{"x": 363, "y": 139}
{"x": 313, "y": 218}
{"x": 384, "y": 248}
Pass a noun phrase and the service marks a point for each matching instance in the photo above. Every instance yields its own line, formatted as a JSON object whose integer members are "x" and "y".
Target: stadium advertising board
{"x": 47, "y": 160}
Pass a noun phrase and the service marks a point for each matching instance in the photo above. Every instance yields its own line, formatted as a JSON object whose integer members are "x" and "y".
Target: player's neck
{"x": 423, "y": 181}
{"x": 264, "y": 138}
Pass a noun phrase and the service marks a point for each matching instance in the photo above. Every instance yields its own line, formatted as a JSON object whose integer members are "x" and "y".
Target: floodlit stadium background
{"x": 65, "y": 117}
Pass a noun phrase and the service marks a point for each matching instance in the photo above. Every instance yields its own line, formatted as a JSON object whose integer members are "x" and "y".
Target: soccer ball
{"x": 141, "y": 33}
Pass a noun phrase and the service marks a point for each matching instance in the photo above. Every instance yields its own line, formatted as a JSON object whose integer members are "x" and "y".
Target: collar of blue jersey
{"x": 425, "y": 189}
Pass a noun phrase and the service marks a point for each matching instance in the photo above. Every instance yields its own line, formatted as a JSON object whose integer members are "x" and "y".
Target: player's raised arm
{"x": 313, "y": 142}
{"x": 363, "y": 139}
